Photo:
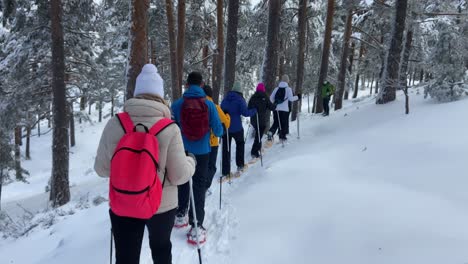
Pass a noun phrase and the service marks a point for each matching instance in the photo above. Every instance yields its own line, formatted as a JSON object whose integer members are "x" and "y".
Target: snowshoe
{"x": 181, "y": 221}
{"x": 192, "y": 235}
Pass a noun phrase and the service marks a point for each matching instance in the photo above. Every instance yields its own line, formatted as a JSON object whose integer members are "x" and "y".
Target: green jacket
{"x": 327, "y": 90}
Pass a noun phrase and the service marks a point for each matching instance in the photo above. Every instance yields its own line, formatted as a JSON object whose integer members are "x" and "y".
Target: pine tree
{"x": 231, "y": 45}
{"x": 390, "y": 77}
{"x": 301, "y": 29}
{"x": 176, "y": 92}
{"x": 270, "y": 59}
{"x": 325, "y": 56}
{"x": 60, "y": 190}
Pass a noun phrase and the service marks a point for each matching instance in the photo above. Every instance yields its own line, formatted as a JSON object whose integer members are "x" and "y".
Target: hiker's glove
{"x": 299, "y": 96}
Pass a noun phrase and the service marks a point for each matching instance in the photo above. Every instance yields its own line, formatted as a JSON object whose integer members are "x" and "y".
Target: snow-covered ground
{"x": 366, "y": 185}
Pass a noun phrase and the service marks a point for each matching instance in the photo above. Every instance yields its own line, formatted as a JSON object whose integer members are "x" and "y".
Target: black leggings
{"x": 240, "y": 148}
{"x": 281, "y": 124}
{"x": 128, "y": 236}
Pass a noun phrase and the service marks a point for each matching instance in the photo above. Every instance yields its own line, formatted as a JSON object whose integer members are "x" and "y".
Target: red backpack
{"x": 194, "y": 118}
{"x": 135, "y": 189}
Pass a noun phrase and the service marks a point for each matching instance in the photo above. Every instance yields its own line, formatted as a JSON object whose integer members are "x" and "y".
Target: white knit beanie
{"x": 149, "y": 82}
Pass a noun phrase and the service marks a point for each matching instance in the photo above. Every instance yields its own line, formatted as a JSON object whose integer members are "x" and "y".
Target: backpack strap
{"x": 160, "y": 126}
{"x": 126, "y": 122}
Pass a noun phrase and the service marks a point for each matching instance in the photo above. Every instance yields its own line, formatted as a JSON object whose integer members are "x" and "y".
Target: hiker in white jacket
{"x": 281, "y": 97}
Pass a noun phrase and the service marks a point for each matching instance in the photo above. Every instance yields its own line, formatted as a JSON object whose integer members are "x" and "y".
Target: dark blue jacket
{"x": 201, "y": 146}
{"x": 234, "y": 104}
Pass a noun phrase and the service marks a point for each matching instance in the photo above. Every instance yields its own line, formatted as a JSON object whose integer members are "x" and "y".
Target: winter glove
{"x": 192, "y": 156}
{"x": 299, "y": 96}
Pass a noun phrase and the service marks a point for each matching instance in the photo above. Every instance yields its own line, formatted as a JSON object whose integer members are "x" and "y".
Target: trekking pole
{"x": 195, "y": 221}
{"x": 298, "y": 130}
{"x": 221, "y": 178}
{"x": 111, "y": 236}
{"x": 280, "y": 128}
{"x": 259, "y": 141}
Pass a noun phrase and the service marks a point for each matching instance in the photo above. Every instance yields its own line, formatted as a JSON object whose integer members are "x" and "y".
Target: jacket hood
{"x": 146, "y": 108}
{"x": 194, "y": 91}
{"x": 233, "y": 96}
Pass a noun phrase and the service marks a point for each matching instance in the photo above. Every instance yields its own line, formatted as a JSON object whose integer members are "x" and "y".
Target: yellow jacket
{"x": 225, "y": 120}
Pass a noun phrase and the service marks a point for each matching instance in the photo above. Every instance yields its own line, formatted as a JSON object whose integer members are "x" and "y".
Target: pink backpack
{"x": 135, "y": 189}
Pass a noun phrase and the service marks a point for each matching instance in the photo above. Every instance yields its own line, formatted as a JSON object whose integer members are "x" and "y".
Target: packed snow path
{"x": 365, "y": 185}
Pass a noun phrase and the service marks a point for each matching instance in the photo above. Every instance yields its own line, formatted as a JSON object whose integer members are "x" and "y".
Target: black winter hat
{"x": 194, "y": 78}
{"x": 208, "y": 90}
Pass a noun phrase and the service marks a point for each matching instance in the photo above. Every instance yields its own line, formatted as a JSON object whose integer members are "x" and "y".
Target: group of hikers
{"x": 160, "y": 157}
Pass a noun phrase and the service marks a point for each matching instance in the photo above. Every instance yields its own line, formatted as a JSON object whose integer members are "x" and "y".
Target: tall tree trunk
{"x": 405, "y": 59}
{"x": 390, "y": 80}
{"x": 180, "y": 42}
{"x": 325, "y": 56}
{"x": 344, "y": 60}
{"x": 1, "y": 185}
{"x": 231, "y": 45}
{"x": 89, "y": 108}
{"x": 270, "y": 58}
{"x": 100, "y": 103}
{"x": 153, "y": 51}
{"x": 27, "y": 151}
{"x": 404, "y": 67}
{"x": 139, "y": 43}
{"x": 72, "y": 126}
{"x": 60, "y": 189}
{"x": 372, "y": 83}
{"x": 219, "y": 58}
{"x": 112, "y": 104}
{"x": 350, "y": 68}
{"x": 421, "y": 76}
{"x": 356, "y": 84}
{"x": 176, "y": 92}
{"x": 282, "y": 59}
{"x": 38, "y": 125}
{"x": 301, "y": 29}
{"x": 18, "y": 168}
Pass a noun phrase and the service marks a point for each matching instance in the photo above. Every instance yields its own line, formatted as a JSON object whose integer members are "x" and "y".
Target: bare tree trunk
{"x": 89, "y": 108}
{"x": 72, "y": 126}
{"x": 391, "y": 80}
{"x": 1, "y": 185}
{"x": 176, "y": 92}
{"x": 405, "y": 59}
{"x": 100, "y": 110}
{"x": 372, "y": 83}
{"x": 344, "y": 60}
{"x": 325, "y": 56}
{"x": 112, "y": 104}
{"x": 139, "y": 43}
{"x": 38, "y": 125}
{"x": 421, "y": 76}
{"x": 350, "y": 69}
{"x": 180, "y": 42}
{"x": 281, "y": 61}
{"x": 358, "y": 75}
{"x": 28, "y": 141}
{"x": 301, "y": 28}
{"x": 231, "y": 45}
{"x": 18, "y": 169}
{"x": 218, "y": 59}
{"x": 270, "y": 58}
{"x": 60, "y": 189}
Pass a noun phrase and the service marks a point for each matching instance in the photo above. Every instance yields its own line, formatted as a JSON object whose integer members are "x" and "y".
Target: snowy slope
{"x": 366, "y": 185}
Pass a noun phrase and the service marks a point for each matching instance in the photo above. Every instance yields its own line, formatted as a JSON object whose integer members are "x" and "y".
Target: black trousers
{"x": 257, "y": 145}
{"x": 212, "y": 166}
{"x": 326, "y": 105}
{"x": 283, "y": 127}
{"x": 240, "y": 149}
{"x": 128, "y": 236}
{"x": 199, "y": 190}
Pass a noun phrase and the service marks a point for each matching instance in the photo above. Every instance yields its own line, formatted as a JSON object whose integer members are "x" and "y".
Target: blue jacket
{"x": 201, "y": 146}
{"x": 234, "y": 104}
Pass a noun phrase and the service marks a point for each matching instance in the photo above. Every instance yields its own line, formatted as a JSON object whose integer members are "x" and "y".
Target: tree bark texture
{"x": 358, "y": 74}
{"x": 301, "y": 29}
{"x": 344, "y": 61}
{"x": 350, "y": 68}
{"x": 18, "y": 168}
{"x": 60, "y": 190}
{"x": 391, "y": 80}
{"x": 270, "y": 59}
{"x": 176, "y": 92}
{"x": 219, "y": 58}
{"x": 325, "y": 56}
{"x": 139, "y": 44}
{"x": 231, "y": 45}
{"x": 72, "y": 126}
{"x": 180, "y": 42}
